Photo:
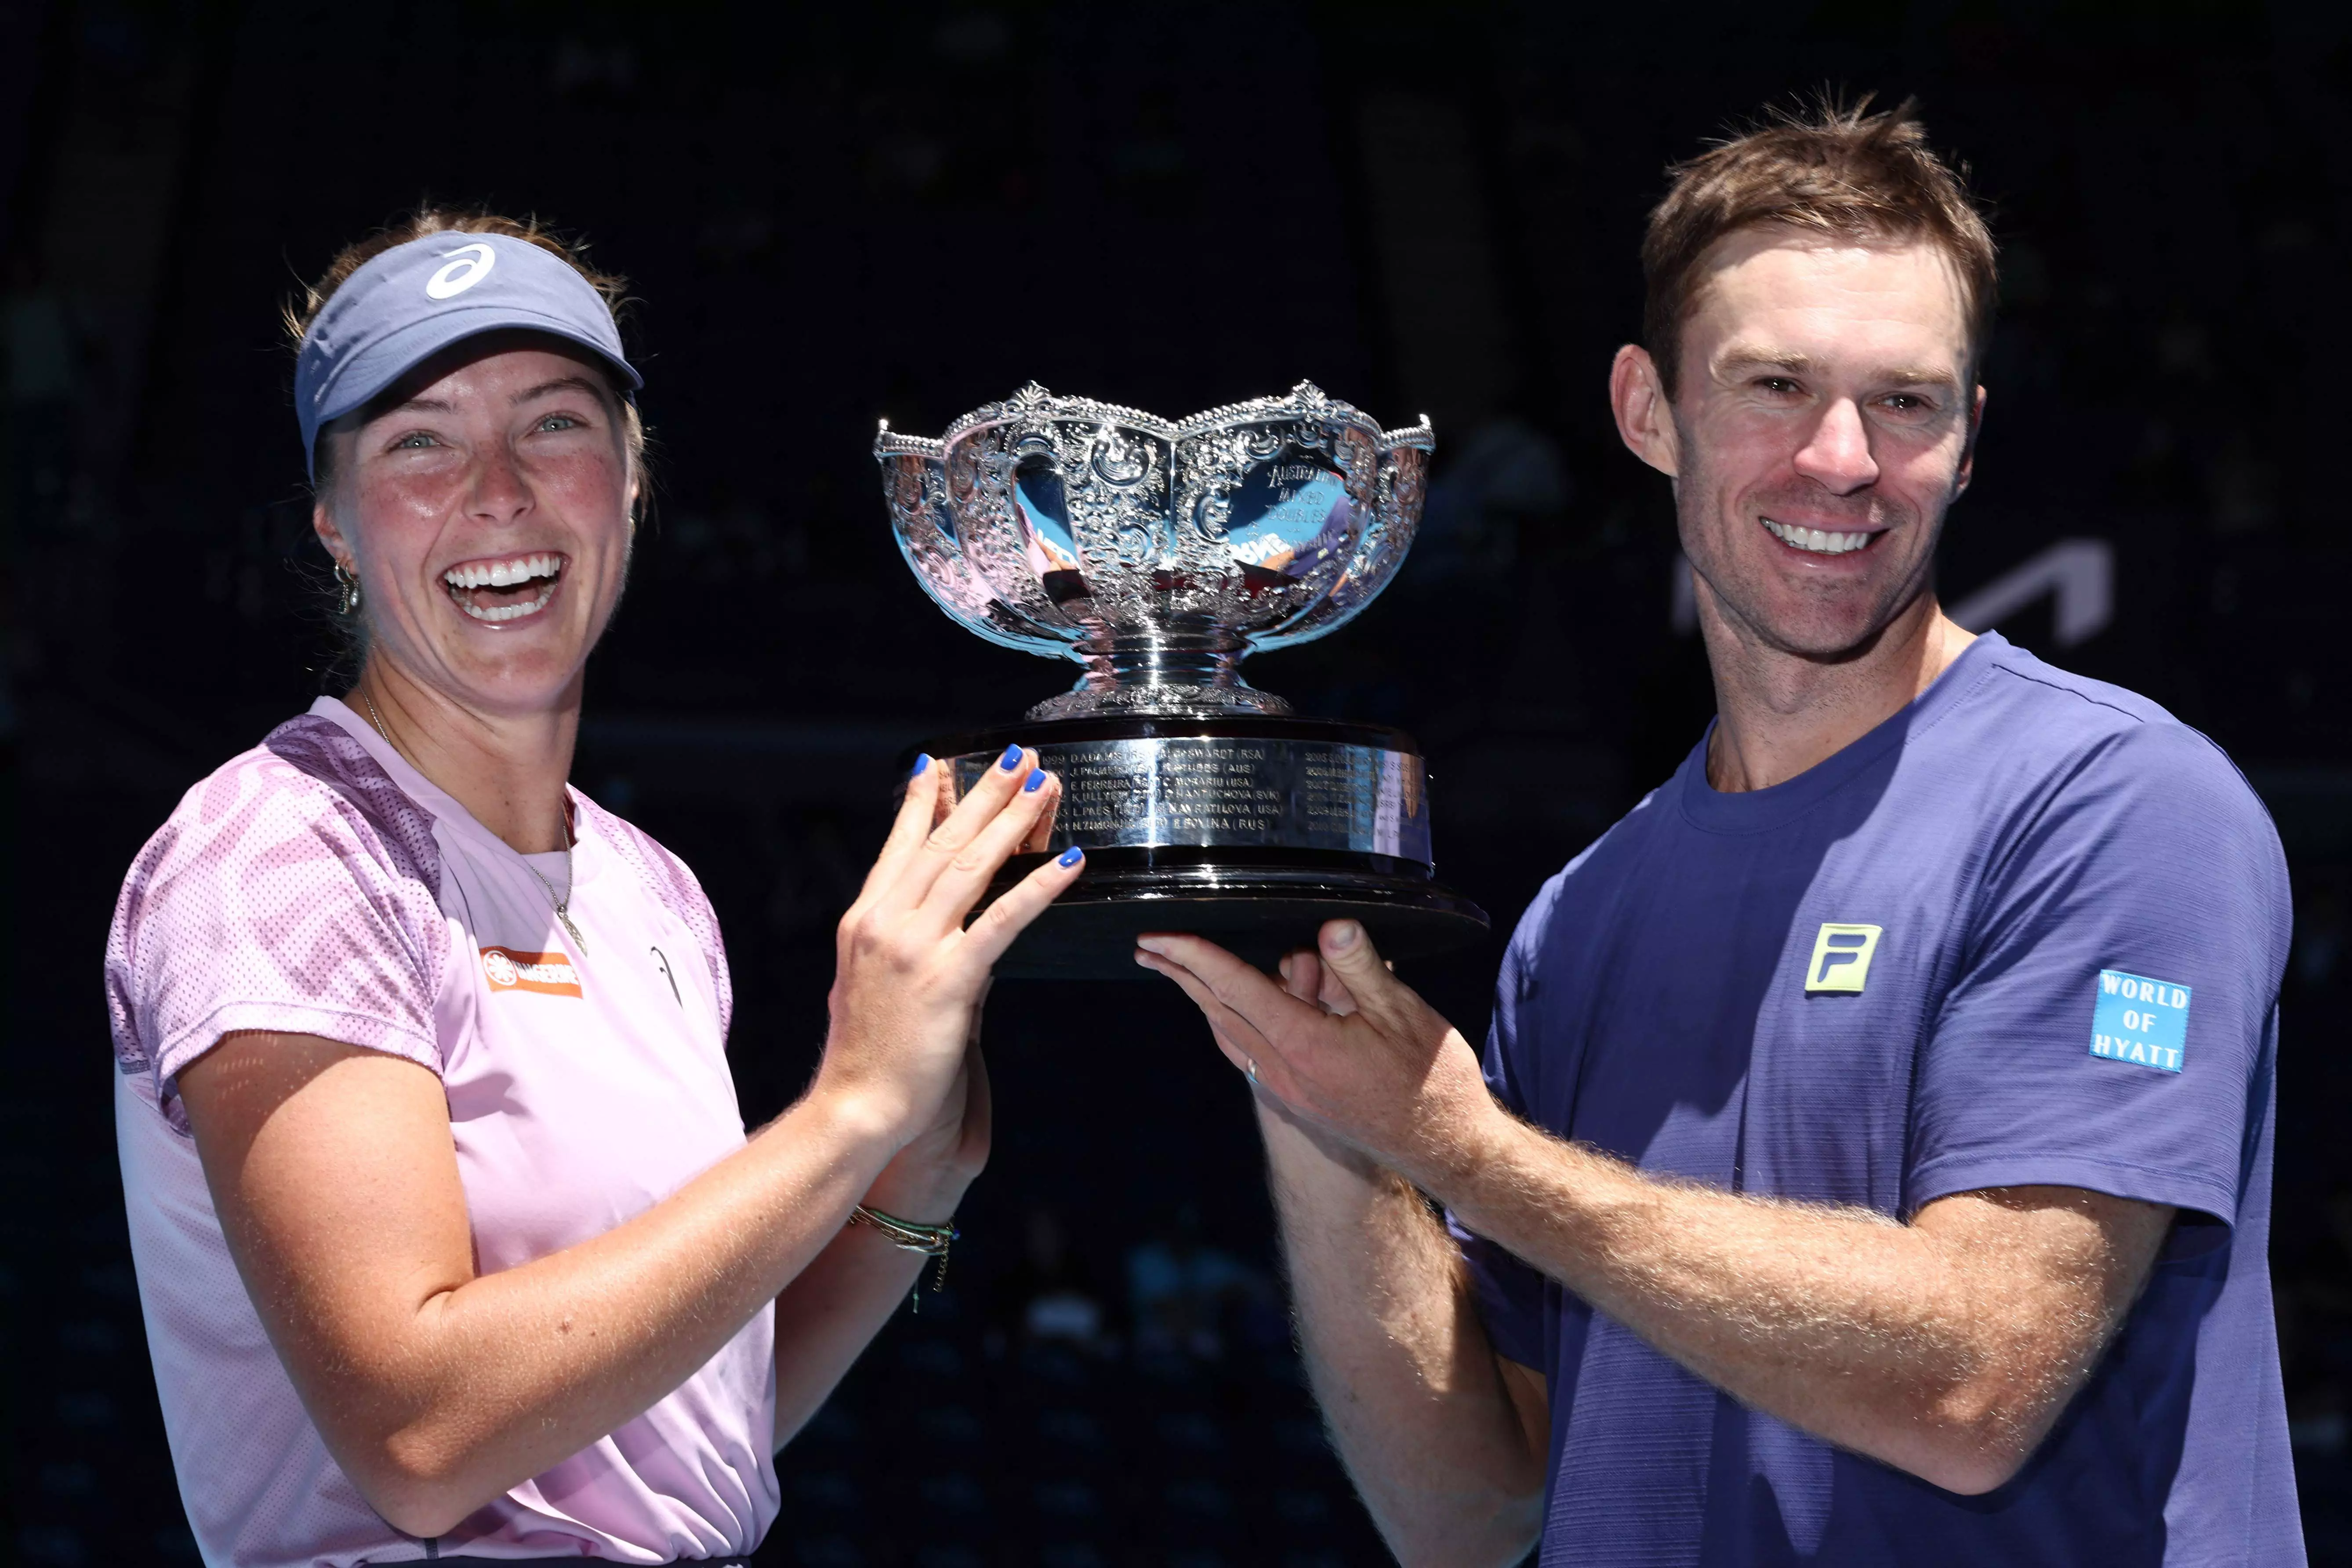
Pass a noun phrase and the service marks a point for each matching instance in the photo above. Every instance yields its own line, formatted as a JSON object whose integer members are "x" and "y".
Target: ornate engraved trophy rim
{"x": 1138, "y": 661}
{"x": 1033, "y": 402}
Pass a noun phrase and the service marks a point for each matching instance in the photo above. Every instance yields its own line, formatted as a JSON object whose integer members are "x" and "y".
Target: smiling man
{"x": 1872, "y": 1158}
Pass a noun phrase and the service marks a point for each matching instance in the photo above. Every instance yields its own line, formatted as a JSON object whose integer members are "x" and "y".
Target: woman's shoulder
{"x": 666, "y": 876}
{"x": 295, "y": 889}
{"x": 307, "y": 785}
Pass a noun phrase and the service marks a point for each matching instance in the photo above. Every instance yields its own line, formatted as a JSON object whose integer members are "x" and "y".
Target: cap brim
{"x": 362, "y": 377}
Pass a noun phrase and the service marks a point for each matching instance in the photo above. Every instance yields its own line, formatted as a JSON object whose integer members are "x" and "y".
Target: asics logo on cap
{"x": 472, "y": 264}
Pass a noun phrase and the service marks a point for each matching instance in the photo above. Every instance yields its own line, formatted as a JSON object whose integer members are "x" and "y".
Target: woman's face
{"x": 486, "y": 512}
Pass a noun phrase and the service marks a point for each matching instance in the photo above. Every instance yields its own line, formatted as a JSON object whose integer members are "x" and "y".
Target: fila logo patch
{"x": 549, "y": 973}
{"x": 2141, "y": 1020}
{"x": 1841, "y": 956}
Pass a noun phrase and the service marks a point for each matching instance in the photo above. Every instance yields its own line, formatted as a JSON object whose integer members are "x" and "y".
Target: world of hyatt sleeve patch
{"x": 2141, "y": 1020}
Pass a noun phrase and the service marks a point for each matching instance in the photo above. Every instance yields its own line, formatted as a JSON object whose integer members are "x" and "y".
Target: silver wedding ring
{"x": 1250, "y": 1067}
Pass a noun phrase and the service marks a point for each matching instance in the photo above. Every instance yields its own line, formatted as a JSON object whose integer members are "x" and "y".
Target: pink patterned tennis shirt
{"x": 320, "y": 885}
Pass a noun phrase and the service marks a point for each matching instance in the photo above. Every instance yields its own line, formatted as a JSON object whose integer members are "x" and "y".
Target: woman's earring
{"x": 348, "y": 580}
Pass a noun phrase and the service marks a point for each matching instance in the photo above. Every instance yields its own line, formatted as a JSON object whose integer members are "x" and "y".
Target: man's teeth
{"x": 1816, "y": 540}
{"x": 502, "y": 574}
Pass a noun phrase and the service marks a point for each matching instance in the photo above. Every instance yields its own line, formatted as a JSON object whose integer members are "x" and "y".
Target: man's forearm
{"x": 1908, "y": 1344}
{"x": 1945, "y": 1345}
{"x": 1399, "y": 1359}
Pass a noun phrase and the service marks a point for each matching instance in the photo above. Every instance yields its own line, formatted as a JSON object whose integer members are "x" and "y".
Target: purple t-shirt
{"x": 2029, "y": 931}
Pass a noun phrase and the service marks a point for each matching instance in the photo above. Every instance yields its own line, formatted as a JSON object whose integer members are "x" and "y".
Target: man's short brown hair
{"x": 1830, "y": 171}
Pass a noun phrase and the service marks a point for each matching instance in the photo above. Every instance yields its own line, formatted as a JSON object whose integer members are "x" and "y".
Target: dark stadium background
{"x": 907, "y": 211}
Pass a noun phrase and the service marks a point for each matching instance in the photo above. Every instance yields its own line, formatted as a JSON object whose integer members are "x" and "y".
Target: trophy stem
{"x": 1174, "y": 670}
{"x": 1204, "y": 658}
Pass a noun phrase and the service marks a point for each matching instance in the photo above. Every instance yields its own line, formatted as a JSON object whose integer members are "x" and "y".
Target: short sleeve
{"x": 2111, "y": 1024}
{"x": 271, "y": 900}
{"x": 1510, "y": 1295}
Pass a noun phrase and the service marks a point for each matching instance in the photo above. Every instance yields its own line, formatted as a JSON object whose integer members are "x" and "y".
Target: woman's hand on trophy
{"x": 909, "y": 974}
{"x": 1341, "y": 1044}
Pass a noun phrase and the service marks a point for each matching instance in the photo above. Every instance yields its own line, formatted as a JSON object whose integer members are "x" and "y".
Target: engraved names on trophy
{"x": 1188, "y": 790}
{"x": 1231, "y": 792}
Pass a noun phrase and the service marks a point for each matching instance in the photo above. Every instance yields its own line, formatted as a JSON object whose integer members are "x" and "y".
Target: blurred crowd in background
{"x": 845, "y": 213}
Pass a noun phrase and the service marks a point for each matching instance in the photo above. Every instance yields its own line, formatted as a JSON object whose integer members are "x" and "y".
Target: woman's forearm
{"x": 522, "y": 1368}
{"x": 831, "y": 1313}
{"x": 836, "y": 1305}
{"x": 436, "y": 1388}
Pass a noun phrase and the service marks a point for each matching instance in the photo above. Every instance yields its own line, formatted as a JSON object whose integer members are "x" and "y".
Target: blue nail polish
{"x": 1010, "y": 760}
{"x": 922, "y": 760}
{"x": 1036, "y": 781}
{"x": 1071, "y": 855}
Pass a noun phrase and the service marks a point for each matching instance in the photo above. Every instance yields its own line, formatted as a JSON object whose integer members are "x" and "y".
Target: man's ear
{"x": 1968, "y": 448}
{"x": 1645, "y": 420}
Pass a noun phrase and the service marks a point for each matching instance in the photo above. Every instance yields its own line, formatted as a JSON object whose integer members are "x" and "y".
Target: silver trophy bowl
{"x": 1157, "y": 555}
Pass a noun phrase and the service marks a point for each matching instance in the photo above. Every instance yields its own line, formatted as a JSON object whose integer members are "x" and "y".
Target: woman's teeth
{"x": 502, "y": 574}
{"x": 1815, "y": 539}
{"x": 509, "y": 612}
{"x": 483, "y": 589}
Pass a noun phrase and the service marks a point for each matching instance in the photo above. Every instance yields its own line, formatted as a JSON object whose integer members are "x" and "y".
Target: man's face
{"x": 1823, "y": 423}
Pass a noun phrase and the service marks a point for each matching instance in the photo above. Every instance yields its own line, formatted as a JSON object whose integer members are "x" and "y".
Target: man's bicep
{"x": 2112, "y": 1021}
{"x": 337, "y": 1187}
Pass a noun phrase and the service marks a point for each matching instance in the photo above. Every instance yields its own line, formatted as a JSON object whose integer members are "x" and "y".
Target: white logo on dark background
{"x": 472, "y": 264}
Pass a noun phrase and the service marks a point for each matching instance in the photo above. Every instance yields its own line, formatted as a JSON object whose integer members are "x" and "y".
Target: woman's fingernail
{"x": 922, "y": 760}
{"x": 1036, "y": 782}
{"x": 1010, "y": 760}
{"x": 1343, "y": 935}
{"x": 1071, "y": 855}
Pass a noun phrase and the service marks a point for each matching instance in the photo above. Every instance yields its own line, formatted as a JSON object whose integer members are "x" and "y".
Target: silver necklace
{"x": 376, "y": 719}
{"x": 562, "y": 900}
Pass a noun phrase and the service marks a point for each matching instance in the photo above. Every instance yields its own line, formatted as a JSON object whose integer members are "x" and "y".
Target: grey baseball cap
{"x": 418, "y": 299}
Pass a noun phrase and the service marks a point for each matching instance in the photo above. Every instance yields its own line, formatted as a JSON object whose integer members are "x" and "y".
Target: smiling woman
{"x": 467, "y": 262}
{"x": 448, "y": 1234}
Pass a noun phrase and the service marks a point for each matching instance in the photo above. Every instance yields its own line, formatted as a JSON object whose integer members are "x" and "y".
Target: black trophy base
{"x": 1256, "y": 914}
{"x": 1287, "y": 818}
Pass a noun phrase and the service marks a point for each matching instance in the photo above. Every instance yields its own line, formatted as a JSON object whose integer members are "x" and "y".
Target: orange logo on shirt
{"x": 549, "y": 973}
